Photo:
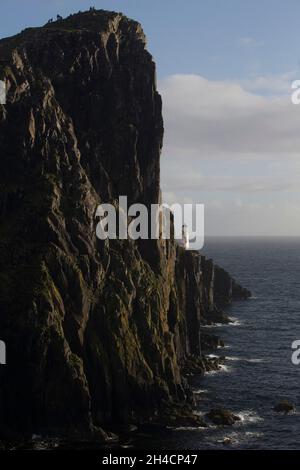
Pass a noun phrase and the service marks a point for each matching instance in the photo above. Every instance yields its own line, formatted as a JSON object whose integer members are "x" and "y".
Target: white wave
{"x": 253, "y": 434}
{"x": 254, "y": 360}
{"x": 234, "y": 321}
{"x": 199, "y": 413}
{"x": 230, "y": 439}
{"x": 222, "y": 368}
{"x": 214, "y": 325}
{"x": 235, "y": 438}
{"x": 249, "y": 416}
{"x": 200, "y": 391}
{"x": 225, "y": 368}
{"x": 189, "y": 428}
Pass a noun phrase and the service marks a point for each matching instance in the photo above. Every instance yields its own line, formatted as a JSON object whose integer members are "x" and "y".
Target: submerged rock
{"x": 284, "y": 406}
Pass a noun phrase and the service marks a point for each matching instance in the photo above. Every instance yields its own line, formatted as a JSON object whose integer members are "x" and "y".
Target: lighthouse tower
{"x": 185, "y": 241}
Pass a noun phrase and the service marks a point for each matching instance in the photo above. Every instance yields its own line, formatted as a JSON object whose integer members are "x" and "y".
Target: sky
{"x": 232, "y": 134}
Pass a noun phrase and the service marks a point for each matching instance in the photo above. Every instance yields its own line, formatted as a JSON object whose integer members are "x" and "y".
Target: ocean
{"x": 258, "y": 370}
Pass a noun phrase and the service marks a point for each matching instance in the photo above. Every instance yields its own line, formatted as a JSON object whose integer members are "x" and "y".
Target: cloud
{"x": 240, "y": 184}
{"x": 271, "y": 85}
{"x": 249, "y": 41}
{"x": 252, "y": 219}
{"x": 228, "y": 139}
{"x": 222, "y": 120}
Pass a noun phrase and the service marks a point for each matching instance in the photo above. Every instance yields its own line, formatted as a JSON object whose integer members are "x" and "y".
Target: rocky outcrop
{"x": 227, "y": 289}
{"x": 220, "y": 416}
{"x": 284, "y": 406}
{"x": 96, "y": 331}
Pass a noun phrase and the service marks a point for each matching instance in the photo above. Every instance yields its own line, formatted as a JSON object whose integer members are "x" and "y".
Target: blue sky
{"x": 225, "y": 68}
{"x": 215, "y": 38}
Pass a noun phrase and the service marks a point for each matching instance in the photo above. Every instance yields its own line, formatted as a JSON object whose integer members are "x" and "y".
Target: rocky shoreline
{"x": 172, "y": 415}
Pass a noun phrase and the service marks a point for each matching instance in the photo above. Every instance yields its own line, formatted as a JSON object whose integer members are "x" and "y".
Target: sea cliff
{"x": 97, "y": 332}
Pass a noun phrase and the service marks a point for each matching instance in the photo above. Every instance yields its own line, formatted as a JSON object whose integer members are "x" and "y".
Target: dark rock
{"x": 227, "y": 289}
{"x": 284, "y": 406}
{"x": 223, "y": 417}
{"x": 210, "y": 341}
{"x": 177, "y": 414}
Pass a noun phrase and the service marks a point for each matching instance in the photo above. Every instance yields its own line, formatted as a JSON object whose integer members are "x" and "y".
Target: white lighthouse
{"x": 185, "y": 241}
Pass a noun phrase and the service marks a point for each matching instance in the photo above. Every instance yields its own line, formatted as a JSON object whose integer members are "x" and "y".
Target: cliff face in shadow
{"x": 96, "y": 332}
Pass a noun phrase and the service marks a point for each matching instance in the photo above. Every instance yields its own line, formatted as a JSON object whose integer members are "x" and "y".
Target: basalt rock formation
{"x": 96, "y": 331}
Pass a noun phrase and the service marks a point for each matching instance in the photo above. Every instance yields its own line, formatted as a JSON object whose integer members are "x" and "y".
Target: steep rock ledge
{"x": 96, "y": 332}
